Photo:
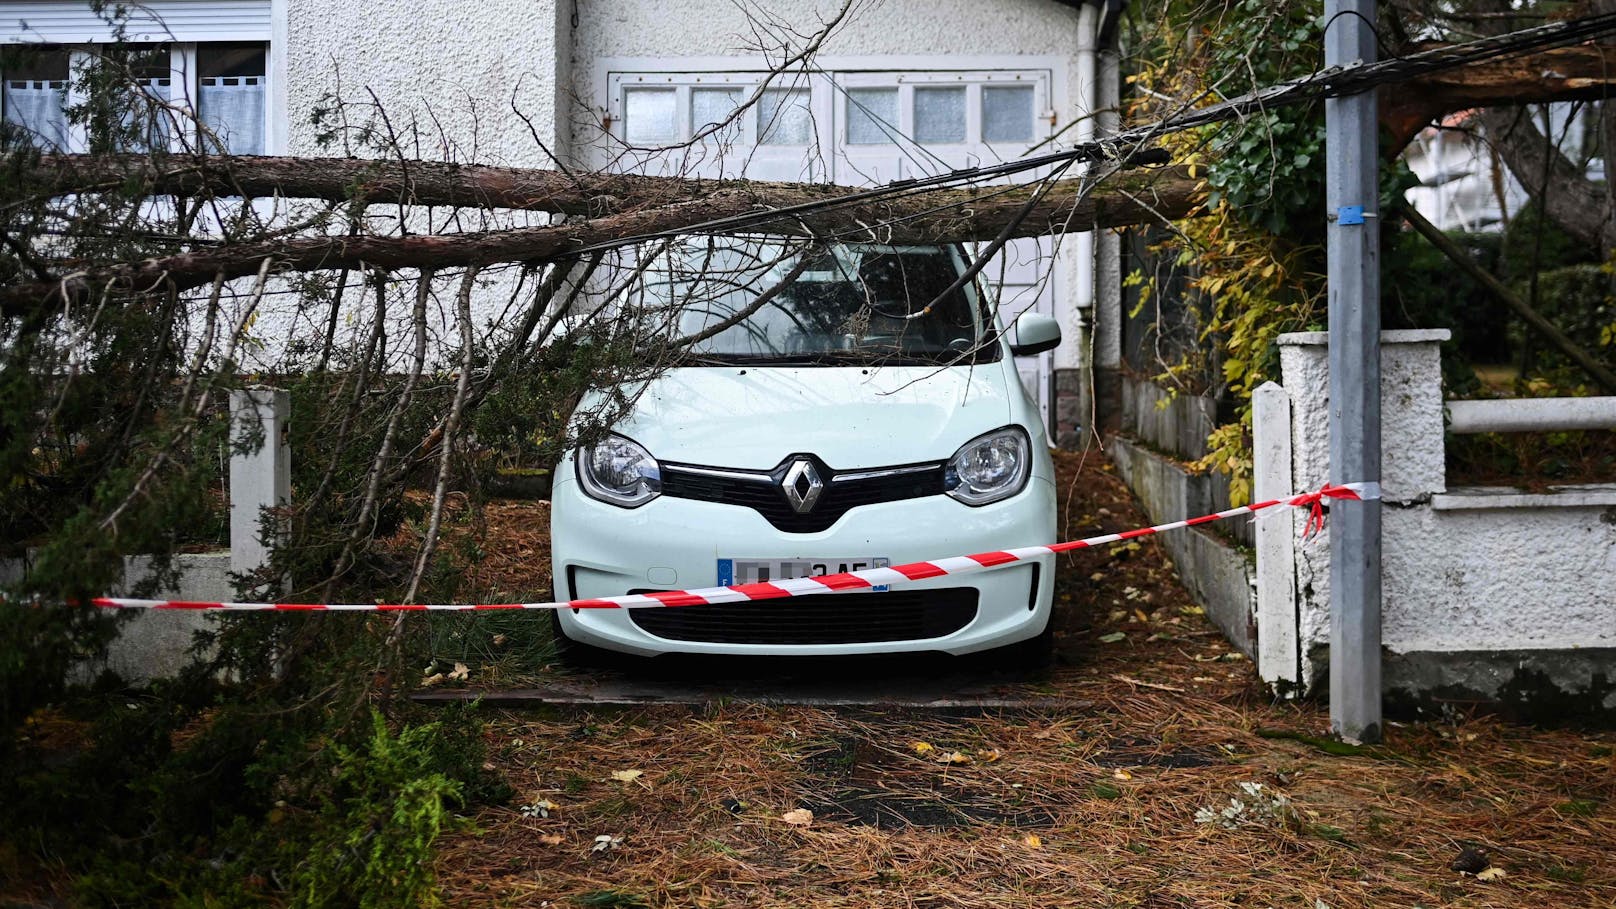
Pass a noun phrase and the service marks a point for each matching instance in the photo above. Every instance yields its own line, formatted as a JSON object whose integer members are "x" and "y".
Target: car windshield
{"x": 738, "y": 300}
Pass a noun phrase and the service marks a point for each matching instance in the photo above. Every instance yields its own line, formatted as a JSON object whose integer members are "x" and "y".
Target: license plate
{"x": 754, "y": 571}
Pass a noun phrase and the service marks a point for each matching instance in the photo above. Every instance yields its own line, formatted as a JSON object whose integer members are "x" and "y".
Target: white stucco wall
{"x": 1454, "y": 579}
{"x": 451, "y": 67}
{"x": 447, "y": 74}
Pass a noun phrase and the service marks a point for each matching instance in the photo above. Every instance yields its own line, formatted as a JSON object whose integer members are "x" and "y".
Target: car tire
{"x": 1034, "y": 655}
{"x": 576, "y": 654}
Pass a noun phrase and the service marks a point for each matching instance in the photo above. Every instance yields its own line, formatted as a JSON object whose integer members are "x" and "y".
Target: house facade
{"x": 896, "y": 89}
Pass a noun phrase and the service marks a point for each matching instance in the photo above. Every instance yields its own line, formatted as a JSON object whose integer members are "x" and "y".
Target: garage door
{"x": 856, "y": 128}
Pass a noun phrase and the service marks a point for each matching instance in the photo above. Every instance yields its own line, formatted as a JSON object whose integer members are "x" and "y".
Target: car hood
{"x": 753, "y": 417}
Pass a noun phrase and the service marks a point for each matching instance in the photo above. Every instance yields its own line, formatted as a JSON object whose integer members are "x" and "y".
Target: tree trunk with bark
{"x": 919, "y": 216}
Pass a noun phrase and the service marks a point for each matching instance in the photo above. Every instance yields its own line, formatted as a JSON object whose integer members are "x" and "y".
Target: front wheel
{"x": 1034, "y": 655}
{"x": 576, "y": 654}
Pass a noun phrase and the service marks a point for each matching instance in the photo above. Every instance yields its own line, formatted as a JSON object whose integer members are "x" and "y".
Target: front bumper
{"x": 671, "y": 543}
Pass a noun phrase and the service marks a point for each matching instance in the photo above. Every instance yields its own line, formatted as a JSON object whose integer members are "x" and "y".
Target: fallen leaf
{"x": 606, "y": 842}
{"x": 1491, "y": 874}
{"x": 954, "y": 757}
{"x": 432, "y": 679}
{"x": 1097, "y": 576}
{"x": 1121, "y": 774}
{"x": 500, "y": 639}
{"x": 1032, "y": 841}
{"x": 798, "y": 817}
{"x": 921, "y": 747}
{"x": 988, "y": 755}
{"x": 550, "y": 839}
{"x": 627, "y": 776}
{"x": 1113, "y": 637}
{"x": 461, "y": 673}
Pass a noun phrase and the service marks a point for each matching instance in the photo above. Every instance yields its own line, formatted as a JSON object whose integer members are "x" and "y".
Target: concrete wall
{"x": 152, "y": 644}
{"x": 1474, "y": 581}
{"x": 1218, "y": 574}
{"x": 1177, "y": 426}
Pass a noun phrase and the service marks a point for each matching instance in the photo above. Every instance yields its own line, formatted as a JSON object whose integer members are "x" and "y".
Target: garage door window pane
{"x": 709, "y": 106}
{"x": 783, "y": 117}
{"x": 1007, "y": 113}
{"x": 35, "y": 99}
{"x": 872, "y": 116}
{"x": 650, "y": 116}
{"x": 940, "y": 115}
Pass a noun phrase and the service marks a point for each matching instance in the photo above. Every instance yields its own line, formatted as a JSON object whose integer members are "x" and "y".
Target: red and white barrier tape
{"x": 833, "y": 583}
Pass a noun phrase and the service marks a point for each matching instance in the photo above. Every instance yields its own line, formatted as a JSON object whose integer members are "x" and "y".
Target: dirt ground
{"x": 1166, "y": 777}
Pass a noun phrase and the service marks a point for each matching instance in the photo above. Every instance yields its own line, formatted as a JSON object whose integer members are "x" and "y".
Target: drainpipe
{"x": 1088, "y": 46}
{"x": 1074, "y": 308}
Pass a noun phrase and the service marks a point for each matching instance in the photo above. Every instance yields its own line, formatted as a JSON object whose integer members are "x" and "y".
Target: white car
{"x": 867, "y": 413}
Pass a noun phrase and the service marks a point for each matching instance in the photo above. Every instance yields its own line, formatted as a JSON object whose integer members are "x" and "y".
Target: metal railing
{"x": 1531, "y": 415}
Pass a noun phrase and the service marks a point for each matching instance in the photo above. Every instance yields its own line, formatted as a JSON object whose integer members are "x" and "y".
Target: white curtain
{"x": 232, "y": 108}
{"x": 40, "y": 107}
{"x": 146, "y": 118}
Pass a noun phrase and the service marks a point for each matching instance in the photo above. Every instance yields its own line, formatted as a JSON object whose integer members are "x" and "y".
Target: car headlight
{"x": 619, "y": 471}
{"x": 990, "y": 467}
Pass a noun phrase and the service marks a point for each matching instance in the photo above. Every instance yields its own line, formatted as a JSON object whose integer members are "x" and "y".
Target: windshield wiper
{"x": 838, "y": 358}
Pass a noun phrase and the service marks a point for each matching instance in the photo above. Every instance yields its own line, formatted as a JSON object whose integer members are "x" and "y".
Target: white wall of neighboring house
{"x": 1464, "y": 186}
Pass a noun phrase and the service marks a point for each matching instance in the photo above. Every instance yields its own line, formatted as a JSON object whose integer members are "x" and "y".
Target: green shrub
{"x": 376, "y": 825}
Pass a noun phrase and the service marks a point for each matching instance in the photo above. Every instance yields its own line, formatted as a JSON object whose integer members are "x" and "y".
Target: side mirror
{"x": 1034, "y": 333}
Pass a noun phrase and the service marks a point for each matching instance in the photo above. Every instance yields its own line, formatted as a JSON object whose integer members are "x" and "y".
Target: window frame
{"x": 184, "y": 89}
{"x": 831, "y": 153}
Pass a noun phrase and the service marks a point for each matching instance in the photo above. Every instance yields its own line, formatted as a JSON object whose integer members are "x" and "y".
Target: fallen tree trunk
{"x": 919, "y": 216}
{"x": 1580, "y": 72}
{"x": 374, "y": 181}
{"x": 1584, "y": 72}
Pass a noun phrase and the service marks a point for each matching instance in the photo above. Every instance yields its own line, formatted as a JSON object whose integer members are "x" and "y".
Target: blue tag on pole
{"x": 1349, "y": 214}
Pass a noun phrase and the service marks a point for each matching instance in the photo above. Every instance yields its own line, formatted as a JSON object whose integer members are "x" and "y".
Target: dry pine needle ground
{"x": 1117, "y": 801}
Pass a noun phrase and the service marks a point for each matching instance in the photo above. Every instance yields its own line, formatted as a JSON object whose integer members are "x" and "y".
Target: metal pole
{"x": 1352, "y": 197}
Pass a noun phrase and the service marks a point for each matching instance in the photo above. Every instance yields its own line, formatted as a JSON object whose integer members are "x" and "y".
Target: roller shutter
{"x": 73, "y": 22}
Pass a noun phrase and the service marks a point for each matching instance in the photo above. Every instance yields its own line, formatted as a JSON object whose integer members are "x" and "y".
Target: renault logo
{"x": 802, "y": 485}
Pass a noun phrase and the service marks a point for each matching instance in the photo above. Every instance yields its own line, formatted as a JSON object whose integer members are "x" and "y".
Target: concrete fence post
{"x": 260, "y": 471}
{"x": 1278, "y": 659}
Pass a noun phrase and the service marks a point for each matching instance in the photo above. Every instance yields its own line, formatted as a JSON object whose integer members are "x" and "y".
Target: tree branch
{"x": 1567, "y": 196}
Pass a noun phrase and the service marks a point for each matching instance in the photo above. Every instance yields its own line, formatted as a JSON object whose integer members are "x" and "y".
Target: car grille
{"x": 853, "y": 618}
{"x": 762, "y": 492}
